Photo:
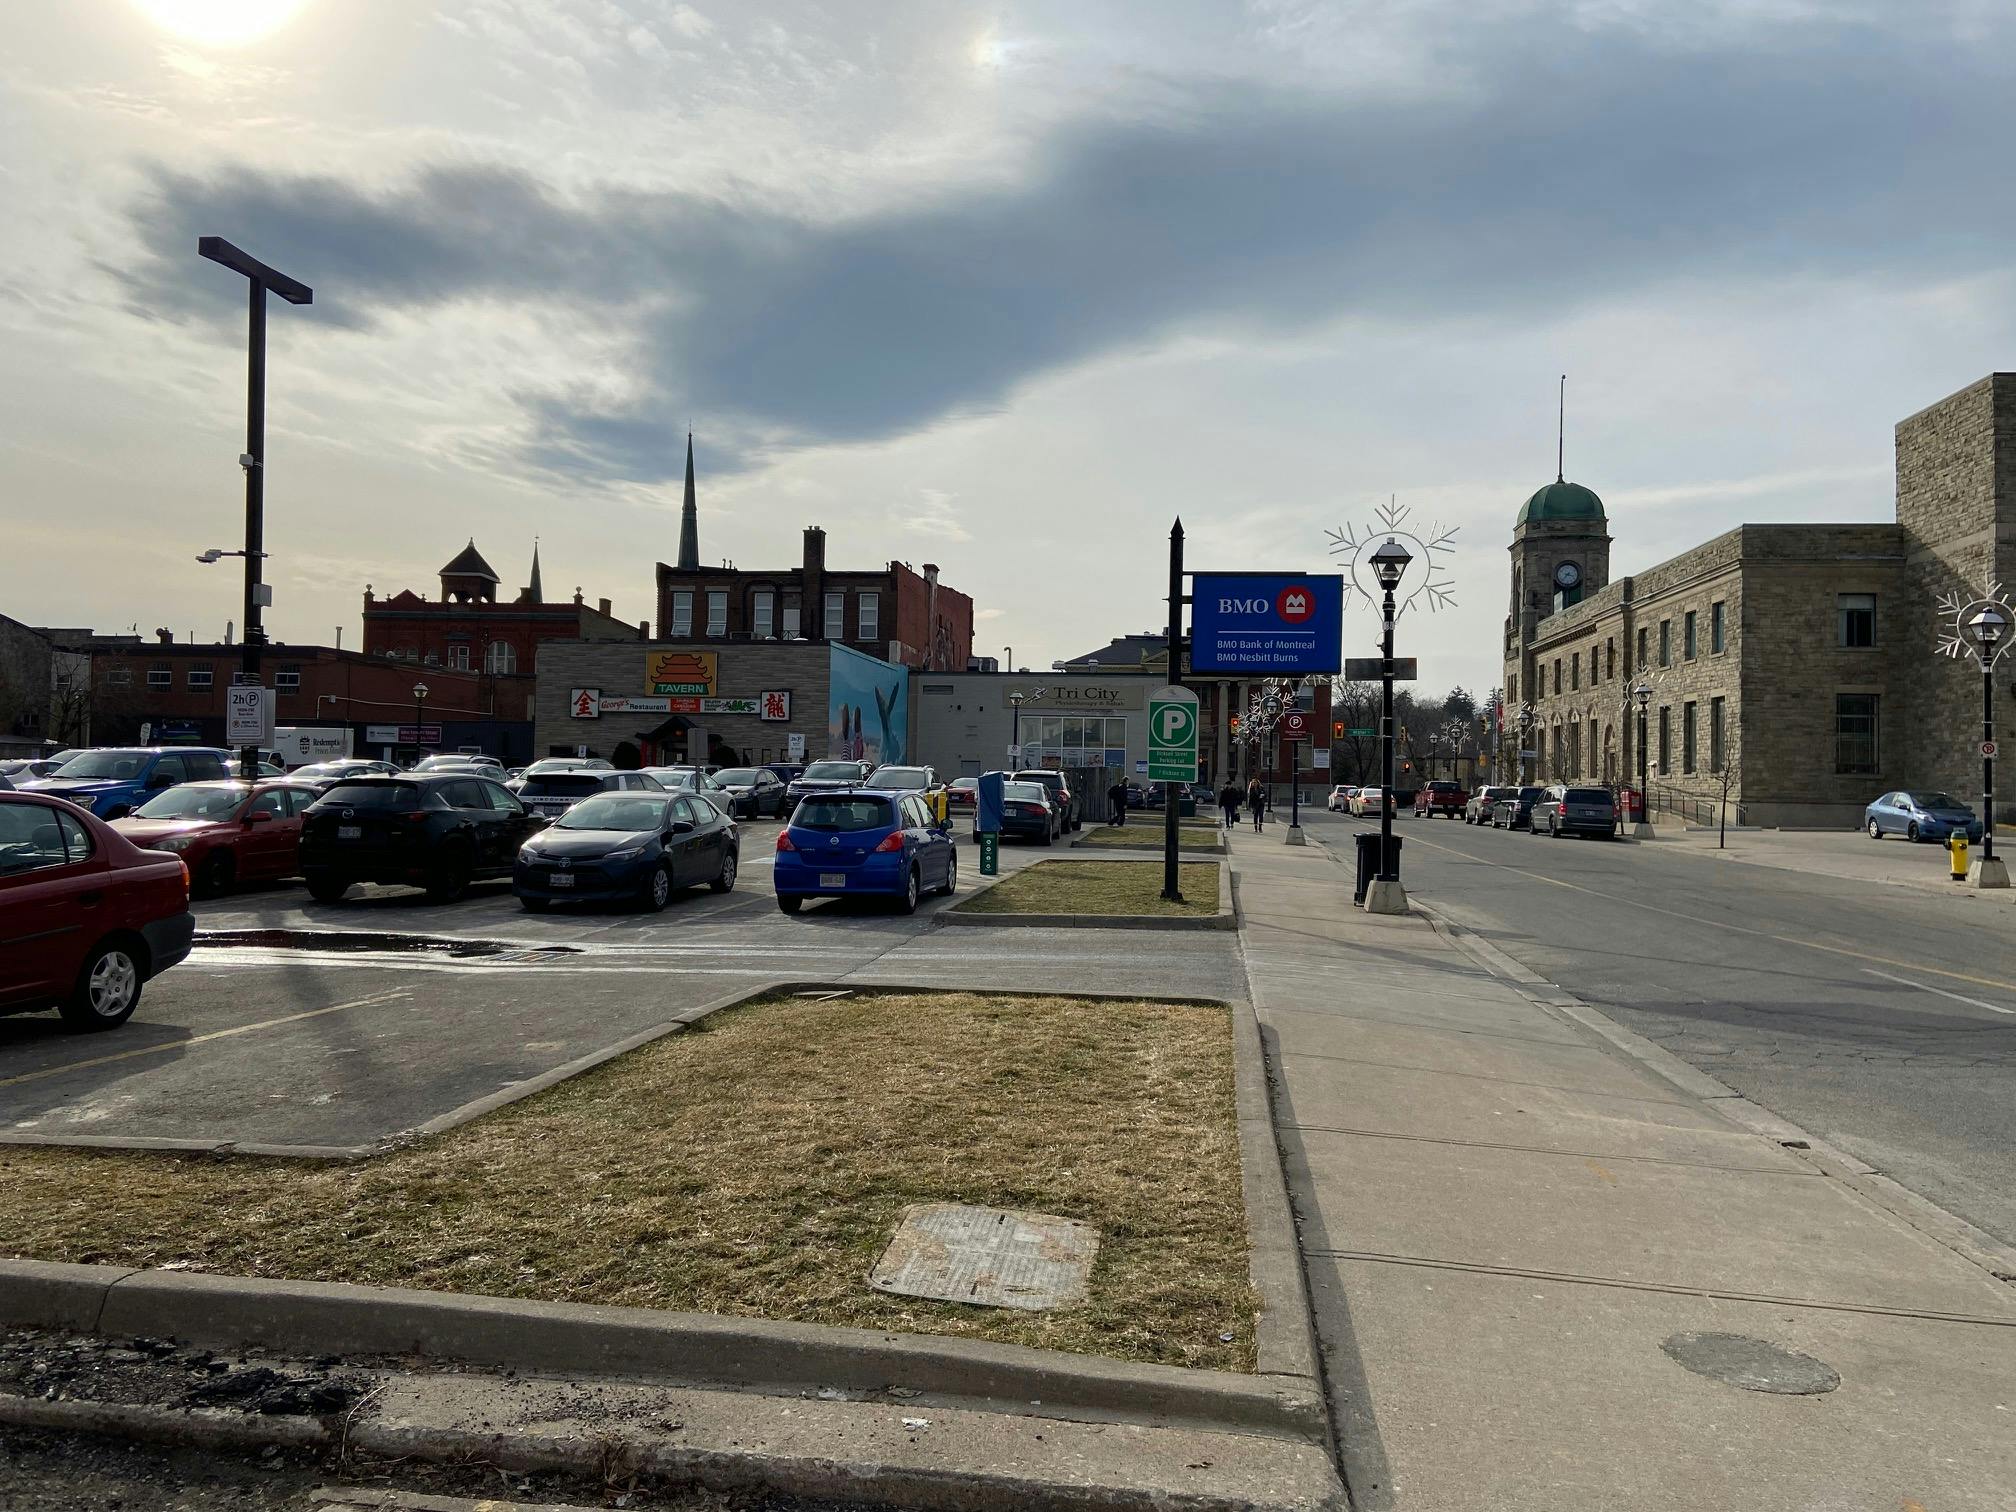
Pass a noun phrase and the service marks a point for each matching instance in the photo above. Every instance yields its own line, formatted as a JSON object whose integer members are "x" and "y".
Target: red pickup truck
{"x": 1445, "y": 798}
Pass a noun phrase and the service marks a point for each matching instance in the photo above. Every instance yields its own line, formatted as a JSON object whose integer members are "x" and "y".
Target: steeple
{"x": 533, "y": 591}
{"x": 689, "y": 518}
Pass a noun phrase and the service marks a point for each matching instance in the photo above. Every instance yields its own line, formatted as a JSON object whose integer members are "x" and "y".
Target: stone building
{"x": 1797, "y": 660}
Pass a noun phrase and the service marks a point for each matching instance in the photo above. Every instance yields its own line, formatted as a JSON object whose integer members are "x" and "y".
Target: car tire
{"x": 1911, "y": 832}
{"x": 1875, "y": 830}
{"x": 535, "y": 905}
{"x": 789, "y": 904}
{"x": 215, "y": 876}
{"x": 912, "y": 890}
{"x": 657, "y": 890}
{"x": 328, "y": 889}
{"x": 107, "y": 989}
{"x": 951, "y": 883}
{"x": 450, "y": 878}
{"x": 725, "y": 882}
{"x": 1048, "y": 836}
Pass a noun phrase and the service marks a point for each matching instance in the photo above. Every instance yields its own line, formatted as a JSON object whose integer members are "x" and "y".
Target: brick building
{"x": 893, "y": 612}
{"x": 1801, "y": 656}
{"x": 469, "y": 629}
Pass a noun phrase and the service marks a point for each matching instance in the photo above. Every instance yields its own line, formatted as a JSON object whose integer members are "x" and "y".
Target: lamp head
{"x": 1989, "y": 626}
{"x": 419, "y": 690}
{"x": 1643, "y": 693}
{"x": 1389, "y": 562}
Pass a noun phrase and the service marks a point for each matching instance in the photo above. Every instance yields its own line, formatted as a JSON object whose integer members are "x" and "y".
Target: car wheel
{"x": 328, "y": 889}
{"x": 1911, "y": 831}
{"x": 215, "y": 875}
{"x": 107, "y": 990}
{"x": 535, "y": 905}
{"x": 657, "y": 890}
{"x": 450, "y": 879}
{"x": 789, "y": 904}
{"x": 726, "y": 881}
{"x": 911, "y": 891}
{"x": 951, "y": 876}
{"x": 1875, "y": 830}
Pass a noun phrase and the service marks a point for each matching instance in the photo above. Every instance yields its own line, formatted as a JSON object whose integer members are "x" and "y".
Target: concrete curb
{"x": 312, "y": 1319}
{"x": 1227, "y": 916}
{"x": 1972, "y": 1244}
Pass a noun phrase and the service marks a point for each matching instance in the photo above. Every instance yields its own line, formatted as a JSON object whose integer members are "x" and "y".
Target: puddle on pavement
{"x": 377, "y": 942}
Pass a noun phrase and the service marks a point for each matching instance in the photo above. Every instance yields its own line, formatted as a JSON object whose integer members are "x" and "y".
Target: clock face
{"x": 1567, "y": 575}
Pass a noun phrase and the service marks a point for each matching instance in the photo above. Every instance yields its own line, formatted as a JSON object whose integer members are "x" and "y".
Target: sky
{"x": 1006, "y": 287}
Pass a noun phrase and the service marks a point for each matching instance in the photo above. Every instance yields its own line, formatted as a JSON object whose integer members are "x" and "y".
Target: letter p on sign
{"x": 1172, "y": 735}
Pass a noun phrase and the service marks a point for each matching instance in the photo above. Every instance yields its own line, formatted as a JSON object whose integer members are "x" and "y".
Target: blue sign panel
{"x": 1266, "y": 624}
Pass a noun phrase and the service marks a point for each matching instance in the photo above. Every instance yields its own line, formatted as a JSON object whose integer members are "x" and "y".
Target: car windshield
{"x": 842, "y": 815}
{"x": 1586, "y": 795}
{"x": 559, "y": 764}
{"x": 834, "y": 771}
{"x": 736, "y": 777}
{"x": 122, "y": 765}
{"x": 672, "y": 777}
{"x": 193, "y": 802}
{"x": 1935, "y": 801}
{"x": 1528, "y": 794}
{"x": 900, "y": 777}
{"x": 616, "y": 811}
{"x": 374, "y": 795}
{"x": 561, "y": 785}
{"x": 1025, "y": 791}
{"x": 330, "y": 769}
{"x": 962, "y": 783}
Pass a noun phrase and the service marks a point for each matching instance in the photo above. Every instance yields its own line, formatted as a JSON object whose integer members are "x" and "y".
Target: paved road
{"x": 296, "y": 1037}
{"x": 1880, "y": 1018}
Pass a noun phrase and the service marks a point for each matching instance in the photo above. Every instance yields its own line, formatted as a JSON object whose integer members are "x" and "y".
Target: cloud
{"x": 1582, "y": 164}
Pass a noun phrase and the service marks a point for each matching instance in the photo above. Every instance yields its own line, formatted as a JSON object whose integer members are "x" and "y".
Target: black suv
{"x": 437, "y": 830}
{"x": 1061, "y": 797}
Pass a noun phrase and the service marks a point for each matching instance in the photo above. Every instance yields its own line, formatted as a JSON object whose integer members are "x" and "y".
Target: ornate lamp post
{"x": 1642, "y": 830}
{"x": 1386, "y": 895}
{"x": 1525, "y": 744}
{"x": 419, "y": 710}
{"x": 1988, "y": 628}
{"x": 1015, "y": 699}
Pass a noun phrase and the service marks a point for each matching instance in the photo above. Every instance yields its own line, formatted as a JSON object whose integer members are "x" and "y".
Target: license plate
{"x": 562, "y": 879}
{"x": 349, "y": 832}
{"x": 832, "y": 879}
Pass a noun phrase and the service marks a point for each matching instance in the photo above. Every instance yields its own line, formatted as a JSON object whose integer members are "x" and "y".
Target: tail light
{"x": 417, "y": 816}
{"x": 185, "y": 883}
{"x": 893, "y": 841}
{"x": 784, "y": 841}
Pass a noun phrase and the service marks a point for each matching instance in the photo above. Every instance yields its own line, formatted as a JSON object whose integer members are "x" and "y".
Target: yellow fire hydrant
{"x": 1956, "y": 847}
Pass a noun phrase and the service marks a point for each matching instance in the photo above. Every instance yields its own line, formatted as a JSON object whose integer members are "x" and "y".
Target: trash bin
{"x": 1368, "y": 862}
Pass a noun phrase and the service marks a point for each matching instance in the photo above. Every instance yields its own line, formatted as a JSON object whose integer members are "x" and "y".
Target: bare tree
{"x": 1728, "y": 775}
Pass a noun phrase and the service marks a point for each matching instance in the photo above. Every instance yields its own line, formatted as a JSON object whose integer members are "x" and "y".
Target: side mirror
{"x": 682, "y": 826}
{"x": 160, "y": 780}
{"x": 260, "y": 816}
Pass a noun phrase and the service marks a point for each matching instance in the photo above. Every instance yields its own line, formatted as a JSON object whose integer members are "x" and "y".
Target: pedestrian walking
{"x": 1228, "y": 803}
{"x": 1116, "y": 802}
{"x": 1256, "y": 799}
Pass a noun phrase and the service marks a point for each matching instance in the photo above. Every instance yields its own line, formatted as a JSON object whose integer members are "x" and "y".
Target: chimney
{"x": 602, "y": 605}
{"x": 644, "y": 630}
{"x": 166, "y": 637}
{"x": 812, "y": 616}
{"x": 931, "y": 618}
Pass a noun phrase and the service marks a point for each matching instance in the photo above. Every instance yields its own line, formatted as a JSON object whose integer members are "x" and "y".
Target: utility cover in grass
{"x": 989, "y": 1256}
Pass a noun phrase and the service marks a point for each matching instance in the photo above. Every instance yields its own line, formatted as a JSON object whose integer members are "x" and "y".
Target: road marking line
{"x": 215, "y": 1034}
{"x": 1926, "y": 987}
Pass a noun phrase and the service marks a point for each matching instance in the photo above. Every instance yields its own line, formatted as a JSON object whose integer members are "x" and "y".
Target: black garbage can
{"x": 1368, "y": 861}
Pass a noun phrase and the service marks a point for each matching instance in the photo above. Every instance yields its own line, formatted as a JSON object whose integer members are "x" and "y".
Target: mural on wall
{"x": 867, "y": 708}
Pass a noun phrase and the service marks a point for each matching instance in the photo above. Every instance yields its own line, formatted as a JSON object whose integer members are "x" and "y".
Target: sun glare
{"x": 220, "y": 23}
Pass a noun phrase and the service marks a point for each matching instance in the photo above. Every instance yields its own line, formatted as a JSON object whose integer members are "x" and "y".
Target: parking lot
{"x": 326, "y": 1028}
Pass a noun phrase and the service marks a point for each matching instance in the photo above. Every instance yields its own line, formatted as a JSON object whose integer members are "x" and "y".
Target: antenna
{"x": 1561, "y": 434}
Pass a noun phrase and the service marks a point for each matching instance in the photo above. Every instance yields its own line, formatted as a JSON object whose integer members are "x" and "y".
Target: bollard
{"x": 1956, "y": 849}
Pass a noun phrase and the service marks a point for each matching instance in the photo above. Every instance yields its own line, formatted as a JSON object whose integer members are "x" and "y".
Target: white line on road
{"x": 1923, "y": 987}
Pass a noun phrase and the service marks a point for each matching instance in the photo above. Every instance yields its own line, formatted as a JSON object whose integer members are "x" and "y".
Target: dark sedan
{"x": 752, "y": 792}
{"x": 1027, "y": 811}
{"x": 437, "y": 831}
{"x": 628, "y": 847}
{"x": 1514, "y": 808}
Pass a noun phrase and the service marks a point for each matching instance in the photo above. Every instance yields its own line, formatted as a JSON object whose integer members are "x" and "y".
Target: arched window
{"x": 501, "y": 657}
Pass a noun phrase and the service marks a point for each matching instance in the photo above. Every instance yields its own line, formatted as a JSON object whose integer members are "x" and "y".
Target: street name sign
{"x": 1172, "y": 735}
{"x": 1281, "y": 624}
{"x": 1371, "y": 669}
{"x": 1361, "y": 730}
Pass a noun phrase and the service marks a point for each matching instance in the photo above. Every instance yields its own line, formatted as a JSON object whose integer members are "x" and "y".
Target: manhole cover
{"x": 989, "y": 1256}
{"x": 1753, "y": 1364}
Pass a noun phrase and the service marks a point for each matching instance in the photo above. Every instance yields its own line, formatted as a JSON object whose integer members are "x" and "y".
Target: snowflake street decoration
{"x": 1427, "y": 579}
{"x": 1954, "y": 614}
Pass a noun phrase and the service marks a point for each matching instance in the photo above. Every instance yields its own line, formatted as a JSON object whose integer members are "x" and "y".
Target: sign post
{"x": 1172, "y": 727}
{"x": 1295, "y": 726}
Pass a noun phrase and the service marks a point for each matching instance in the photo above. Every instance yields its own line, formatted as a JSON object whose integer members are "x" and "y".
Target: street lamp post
{"x": 1642, "y": 830}
{"x": 1386, "y": 895}
{"x": 259, "y": 278}
{"x": 1989, "y": 629}
{"x": 419, "y": 711}
{"x": 1009, "y": 652}
{"x": 1525, "y": 745}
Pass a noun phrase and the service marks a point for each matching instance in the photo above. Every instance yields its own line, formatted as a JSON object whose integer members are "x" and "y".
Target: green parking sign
{"x": 1172, "y": 735}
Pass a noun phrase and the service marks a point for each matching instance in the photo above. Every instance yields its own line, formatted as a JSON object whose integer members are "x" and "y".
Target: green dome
{"x": 1562, "y": 501}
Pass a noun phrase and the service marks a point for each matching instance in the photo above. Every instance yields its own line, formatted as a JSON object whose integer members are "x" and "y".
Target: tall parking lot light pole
{"x": 1643, "y": 829}
{"x": 259, "y": 278}
{"x": 419, "y": 713}
{"x": 1989, "y": 630}
{"x": 1385, "y": 895}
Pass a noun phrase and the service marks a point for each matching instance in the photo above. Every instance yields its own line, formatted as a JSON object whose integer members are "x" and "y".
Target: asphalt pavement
{"x": 317, "y": 1027}
{"x": 1880, "y": 1018}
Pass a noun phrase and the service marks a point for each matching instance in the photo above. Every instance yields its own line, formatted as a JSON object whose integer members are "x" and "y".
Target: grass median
{"x": 754, "y": 1165}
{"x": 1190, "y": 837}
{"x": 1101, "y": 888}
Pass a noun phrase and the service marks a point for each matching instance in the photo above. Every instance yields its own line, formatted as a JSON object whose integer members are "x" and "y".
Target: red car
{"x": 1445, "y": 798}
{"x": 86, "y": 917}
{"x": 225, "y": 832}
{"x": 963, "y": 793}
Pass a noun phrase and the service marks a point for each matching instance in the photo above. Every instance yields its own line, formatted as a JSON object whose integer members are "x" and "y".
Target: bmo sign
{"x": 1266, "y": 624}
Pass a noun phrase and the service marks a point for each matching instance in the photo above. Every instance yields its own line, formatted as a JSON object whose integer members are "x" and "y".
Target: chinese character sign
{"x": 776, "y": 706}
{"x": 585, "y": 703}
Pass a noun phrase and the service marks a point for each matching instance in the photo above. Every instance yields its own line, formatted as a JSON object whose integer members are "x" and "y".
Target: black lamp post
{"x": 419, "y": 711}
{"x": 1525, "y": 745}
{"x": 1643, "y": 830}
{"x": 1989, "y": 628}
{"x": 1388, "y": 563}
{"x": 259, "y": 278}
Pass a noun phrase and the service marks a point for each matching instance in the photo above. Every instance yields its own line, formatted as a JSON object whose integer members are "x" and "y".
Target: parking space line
{"x": 1926, "y": 987}
{"x": 273, "y": 1023}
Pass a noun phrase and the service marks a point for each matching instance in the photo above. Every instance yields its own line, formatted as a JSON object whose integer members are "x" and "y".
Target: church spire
{"x": 534, "y": 591}
{"x": 689, "y": 518}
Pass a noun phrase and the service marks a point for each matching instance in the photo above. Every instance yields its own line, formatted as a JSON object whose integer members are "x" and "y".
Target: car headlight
{"x": 176, "y": 843}
{"x": 629, "y": 852}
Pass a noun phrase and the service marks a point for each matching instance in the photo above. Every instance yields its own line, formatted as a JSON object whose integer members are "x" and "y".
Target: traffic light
{"x": 1235, "y": 724}
{"x": 1337, "y": 729}
{"x": 1406, "y": 766}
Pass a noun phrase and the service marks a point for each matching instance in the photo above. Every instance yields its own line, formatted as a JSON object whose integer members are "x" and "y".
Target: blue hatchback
{"x": 855, "y": 843}
{"x": 1920, "y": 816}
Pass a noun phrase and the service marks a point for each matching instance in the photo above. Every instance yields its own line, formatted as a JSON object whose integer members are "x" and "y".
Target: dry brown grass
{"x": 1098, "y": 887}
{"x": 1189, "y": 837}
{"x": 752, "y": 1166}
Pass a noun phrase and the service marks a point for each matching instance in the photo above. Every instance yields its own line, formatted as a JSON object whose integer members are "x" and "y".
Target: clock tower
{"x": 1560, "y": 556}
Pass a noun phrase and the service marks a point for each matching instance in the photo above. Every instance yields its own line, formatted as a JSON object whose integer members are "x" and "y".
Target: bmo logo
{"x": 1296, "y": 604}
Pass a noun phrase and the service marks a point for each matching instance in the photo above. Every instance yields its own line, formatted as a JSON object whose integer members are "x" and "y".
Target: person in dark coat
{"x": 1116, "y": 802}
{"x": 1228, "y": 803}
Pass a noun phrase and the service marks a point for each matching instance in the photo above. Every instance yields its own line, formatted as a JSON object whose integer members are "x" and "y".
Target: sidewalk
{"x": 1845, "y": 855}
{"x": 1506, "y": 1221}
